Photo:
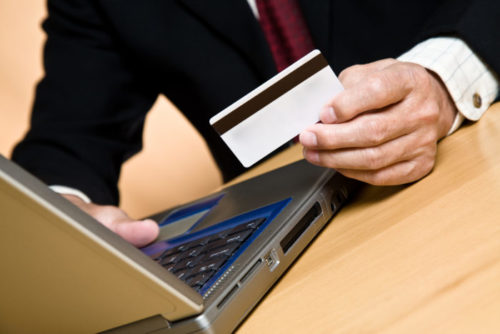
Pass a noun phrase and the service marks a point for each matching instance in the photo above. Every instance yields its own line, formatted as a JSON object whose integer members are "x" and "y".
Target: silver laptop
{"x": 63, "y": 272}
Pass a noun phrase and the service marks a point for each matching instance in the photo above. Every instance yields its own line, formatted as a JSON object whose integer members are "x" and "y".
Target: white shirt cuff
{"x": 70, "y": 191}
{"x": 471, "y": 84}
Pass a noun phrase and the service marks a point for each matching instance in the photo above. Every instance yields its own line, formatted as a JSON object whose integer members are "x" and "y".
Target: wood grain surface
{"x": 419, "y": 258}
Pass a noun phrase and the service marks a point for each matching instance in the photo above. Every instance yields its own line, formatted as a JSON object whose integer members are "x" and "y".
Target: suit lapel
{"x": 317, "y": 16}
{"x": 235, "y": 23}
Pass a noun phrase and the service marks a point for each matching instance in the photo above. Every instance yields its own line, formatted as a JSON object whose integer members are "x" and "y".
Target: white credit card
{"x": 278, "y": 110}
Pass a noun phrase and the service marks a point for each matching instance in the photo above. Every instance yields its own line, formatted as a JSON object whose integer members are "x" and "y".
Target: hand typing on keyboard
{"x": 137, "y": 232}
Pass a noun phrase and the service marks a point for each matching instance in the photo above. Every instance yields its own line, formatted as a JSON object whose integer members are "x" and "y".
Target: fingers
{"x": 393, "y": 161}
{"x": 369, "y": 90}
{"x": 352, "y": 75}
{"x": 375, "y": 147}
{"x": 400, "y": 173}
{"x": 366, "y": 158}
{"x": 138, "y": 232}
{"x": 384, "y": 127}
{"x": 396, "y": 162}
{"x": 369, "y": 129}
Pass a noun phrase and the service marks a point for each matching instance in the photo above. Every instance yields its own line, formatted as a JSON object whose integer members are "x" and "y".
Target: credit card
{"x": 278, "y": 110}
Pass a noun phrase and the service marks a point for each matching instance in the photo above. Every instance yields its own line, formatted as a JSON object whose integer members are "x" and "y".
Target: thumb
{"x": 138, "y": 232}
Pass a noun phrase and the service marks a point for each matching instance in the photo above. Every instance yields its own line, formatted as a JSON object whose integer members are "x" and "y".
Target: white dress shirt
{"x": 471, "y": 84}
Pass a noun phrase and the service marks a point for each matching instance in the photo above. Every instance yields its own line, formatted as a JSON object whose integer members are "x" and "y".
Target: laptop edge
{"x": 173, "y": 307}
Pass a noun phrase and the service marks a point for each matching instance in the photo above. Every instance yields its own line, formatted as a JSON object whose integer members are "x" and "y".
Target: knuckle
{"x": 431, "y": 163}
{"x": 376, "y": 85}
{"x": 349, "y": 72}
{"x": 373, "y": 158}
{"x": 430, "y": 158}
{"x": 428, "y": 165}
{"x": 421, "y": 167}
{"x": 429, "y": 112}
{"x": 377, "y": 178}
{"x": 341, "y": 105}
{"x": 375, "y": 132}
{"x": 429, "y": 140}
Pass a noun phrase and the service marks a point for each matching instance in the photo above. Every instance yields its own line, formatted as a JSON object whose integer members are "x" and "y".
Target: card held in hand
{"x": 278, "y": 110}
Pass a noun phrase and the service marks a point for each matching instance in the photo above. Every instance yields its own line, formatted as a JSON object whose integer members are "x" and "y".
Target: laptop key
{"x": 212, "y": 264}
{"x": 211, "y": 239}
{"x": 226, "y": 250}
{"x": 187, "y": 262}
{"x": 254, "y": 224}
{"x": 173, "y": 258}
{"x": 233, "y": 230}
{"x": 182, "y": 274}
{"x": 239, "y": 236}
{"x": 179, "y": 256}
{"x": 170, "y": 267}
{"x": 191, "y": 244}
{"x": 169, "y": 252}
{"x": 195, "y": 251}
{"x": 216, "y": 244}
{"x": 196, "y": 261}
{"x": 199, "y": 279}
{"x": 241, "y": 227}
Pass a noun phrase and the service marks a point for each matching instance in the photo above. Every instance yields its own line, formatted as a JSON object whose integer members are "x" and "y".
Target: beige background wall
{"x": 166, "y": 173}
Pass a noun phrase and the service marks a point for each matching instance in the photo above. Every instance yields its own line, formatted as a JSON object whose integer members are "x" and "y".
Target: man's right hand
{"x": 138, "y": 232}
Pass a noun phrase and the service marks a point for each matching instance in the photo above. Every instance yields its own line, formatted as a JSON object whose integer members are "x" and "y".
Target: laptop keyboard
{"x": 197, "y": 261}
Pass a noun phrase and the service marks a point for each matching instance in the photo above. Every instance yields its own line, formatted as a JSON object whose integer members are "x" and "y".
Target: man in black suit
{"x": 106, "y": 62}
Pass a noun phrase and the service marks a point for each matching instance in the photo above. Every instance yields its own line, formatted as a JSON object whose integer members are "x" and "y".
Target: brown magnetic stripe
{"x": 279, "y": 88}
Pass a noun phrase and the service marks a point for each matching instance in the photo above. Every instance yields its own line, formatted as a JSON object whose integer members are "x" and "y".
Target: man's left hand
{"x": 384, "y": 127}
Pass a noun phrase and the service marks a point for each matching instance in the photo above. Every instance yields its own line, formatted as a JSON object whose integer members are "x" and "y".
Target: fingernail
{"x": 328, "y": 115}
{"x": 307, "y": 138}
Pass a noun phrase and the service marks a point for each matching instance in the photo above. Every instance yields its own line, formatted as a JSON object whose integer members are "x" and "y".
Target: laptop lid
{"x": 65, "y": 272}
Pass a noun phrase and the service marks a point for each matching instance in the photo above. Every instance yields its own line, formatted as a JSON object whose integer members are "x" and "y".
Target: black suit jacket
{"x": 106, "y": 61}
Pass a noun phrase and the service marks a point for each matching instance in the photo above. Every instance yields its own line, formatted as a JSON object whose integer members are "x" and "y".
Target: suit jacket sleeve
{"x": 89, "y": 108}
{"x": 475, "y": 22}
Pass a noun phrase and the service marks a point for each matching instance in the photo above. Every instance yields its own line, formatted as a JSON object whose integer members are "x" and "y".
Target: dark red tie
{"x": 285, "y": 30}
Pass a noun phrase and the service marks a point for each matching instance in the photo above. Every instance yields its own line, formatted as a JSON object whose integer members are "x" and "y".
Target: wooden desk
{"x": 423, "y": 258}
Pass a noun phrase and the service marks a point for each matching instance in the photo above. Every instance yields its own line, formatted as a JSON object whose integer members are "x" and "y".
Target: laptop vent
{"x": 310, "y": 216}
